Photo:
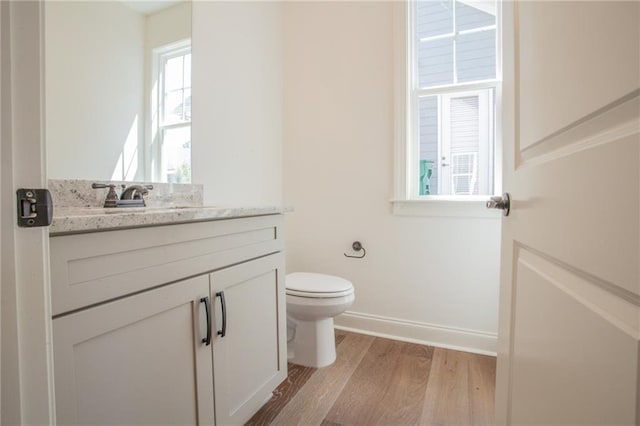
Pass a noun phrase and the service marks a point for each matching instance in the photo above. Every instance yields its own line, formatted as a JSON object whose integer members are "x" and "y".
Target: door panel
{"x": 578, "y": 57}
{"x": 582, "y": 207}
{"x": 250, "y": 360}
{"x": 569, "y": 331}
{"x": 138, "y": 360}
{"x": 573, "y": 361}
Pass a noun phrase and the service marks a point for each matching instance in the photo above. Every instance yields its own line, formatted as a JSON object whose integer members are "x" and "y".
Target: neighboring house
{"x": 456, "y": 44}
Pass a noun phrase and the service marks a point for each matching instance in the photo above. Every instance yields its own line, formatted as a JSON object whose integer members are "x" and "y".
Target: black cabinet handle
{"x": 223, "y": 332}
{"x": 207, "y": 308}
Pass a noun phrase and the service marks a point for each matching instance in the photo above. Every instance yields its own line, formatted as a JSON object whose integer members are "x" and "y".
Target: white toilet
{"x": 312, "y": 302}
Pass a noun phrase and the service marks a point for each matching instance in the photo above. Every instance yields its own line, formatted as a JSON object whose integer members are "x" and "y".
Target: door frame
{"x": 26, "y": 357}
{"x": 507, "y": 136}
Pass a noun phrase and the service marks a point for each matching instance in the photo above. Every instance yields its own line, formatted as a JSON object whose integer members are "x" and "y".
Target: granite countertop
{"x": 73, "y": 220}
{"x": 78, "y": 207}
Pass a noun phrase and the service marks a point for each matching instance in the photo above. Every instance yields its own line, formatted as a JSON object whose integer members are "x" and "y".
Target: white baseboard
{"x": 479, "y": 342}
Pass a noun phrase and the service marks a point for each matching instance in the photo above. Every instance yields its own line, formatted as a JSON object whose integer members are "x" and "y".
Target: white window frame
{"x": 160, "y": 56}
{"x": 406, "y": 200}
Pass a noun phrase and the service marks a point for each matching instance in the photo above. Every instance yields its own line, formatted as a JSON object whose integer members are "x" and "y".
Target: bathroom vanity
{"x": 172, "y": 316}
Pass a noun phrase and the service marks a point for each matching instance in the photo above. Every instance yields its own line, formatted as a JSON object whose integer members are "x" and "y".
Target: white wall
{"x": 424, "y": 278}
{"x": 168, "y": 26}
{"x": 94, "y": 90}
{"x": 237, "y": 102}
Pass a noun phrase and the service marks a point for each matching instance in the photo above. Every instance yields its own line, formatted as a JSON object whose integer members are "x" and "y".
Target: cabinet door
{"x": 137, "y": 360}
{"x": 251, "y": 359}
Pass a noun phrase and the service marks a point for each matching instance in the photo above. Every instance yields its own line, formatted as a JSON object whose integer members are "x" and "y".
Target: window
{"x": 172, "y": 114}
{"x": 452, "y": 85}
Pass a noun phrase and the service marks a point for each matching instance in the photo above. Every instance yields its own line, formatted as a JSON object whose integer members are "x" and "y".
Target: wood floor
{"x": 377, "y": 381}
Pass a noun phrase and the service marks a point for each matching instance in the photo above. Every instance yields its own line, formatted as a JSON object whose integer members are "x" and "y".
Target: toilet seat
{"x": 317, "y": 286}
{"x": 319, "y": 295}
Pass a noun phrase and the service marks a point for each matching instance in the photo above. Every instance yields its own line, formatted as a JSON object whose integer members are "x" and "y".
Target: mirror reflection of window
{"x": 173, "y": 155}
{"x": 102, "y": 90}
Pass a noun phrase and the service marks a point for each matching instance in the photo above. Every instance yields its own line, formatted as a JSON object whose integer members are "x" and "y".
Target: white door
{"x": 570, "y": 292}
{"x": 27, "y": 378}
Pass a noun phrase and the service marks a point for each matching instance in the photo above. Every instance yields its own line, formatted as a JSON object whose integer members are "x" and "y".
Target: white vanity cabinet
{"x": 130, "y": 318}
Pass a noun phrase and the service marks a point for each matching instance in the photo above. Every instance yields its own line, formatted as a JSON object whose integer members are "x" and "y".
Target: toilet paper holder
{"x": 357, "y": 246}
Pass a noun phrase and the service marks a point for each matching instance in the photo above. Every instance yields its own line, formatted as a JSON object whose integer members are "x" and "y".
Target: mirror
{"x": 118, "y": 90}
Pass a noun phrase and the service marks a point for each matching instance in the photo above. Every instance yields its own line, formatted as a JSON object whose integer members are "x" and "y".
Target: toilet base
{"x": 313, "y": 344}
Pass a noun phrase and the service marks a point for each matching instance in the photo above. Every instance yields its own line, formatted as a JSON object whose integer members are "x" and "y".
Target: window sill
{"x": 469, "y": 207}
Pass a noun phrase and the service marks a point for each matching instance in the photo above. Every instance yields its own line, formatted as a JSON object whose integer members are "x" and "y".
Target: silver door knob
{"x": 503, "y": 203}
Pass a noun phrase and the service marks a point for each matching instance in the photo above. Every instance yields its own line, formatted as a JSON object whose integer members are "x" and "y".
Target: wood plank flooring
{"x": 377, "y": 381}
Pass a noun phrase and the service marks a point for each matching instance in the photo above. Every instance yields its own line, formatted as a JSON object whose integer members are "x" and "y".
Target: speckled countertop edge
{"x": 74, "y": 221}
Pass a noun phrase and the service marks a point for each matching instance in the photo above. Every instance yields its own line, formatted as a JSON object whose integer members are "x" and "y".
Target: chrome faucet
{"x": 132, "y": 196}
{"x": 135, "y": 192}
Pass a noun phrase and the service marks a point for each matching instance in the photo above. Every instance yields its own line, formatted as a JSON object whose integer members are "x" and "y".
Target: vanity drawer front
{"x": 91, "y": 268}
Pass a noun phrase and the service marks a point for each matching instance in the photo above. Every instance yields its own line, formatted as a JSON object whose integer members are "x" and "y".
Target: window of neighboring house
{"x": 452, "y": 85}
{"x": 172, "y": 142}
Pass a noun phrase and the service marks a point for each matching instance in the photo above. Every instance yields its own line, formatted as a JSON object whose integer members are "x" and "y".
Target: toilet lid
{"x": 317, "y": 285}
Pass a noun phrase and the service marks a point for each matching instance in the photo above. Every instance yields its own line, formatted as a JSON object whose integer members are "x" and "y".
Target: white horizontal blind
{"x": 464, "y": 122}
{"x": 464, "y": 144}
